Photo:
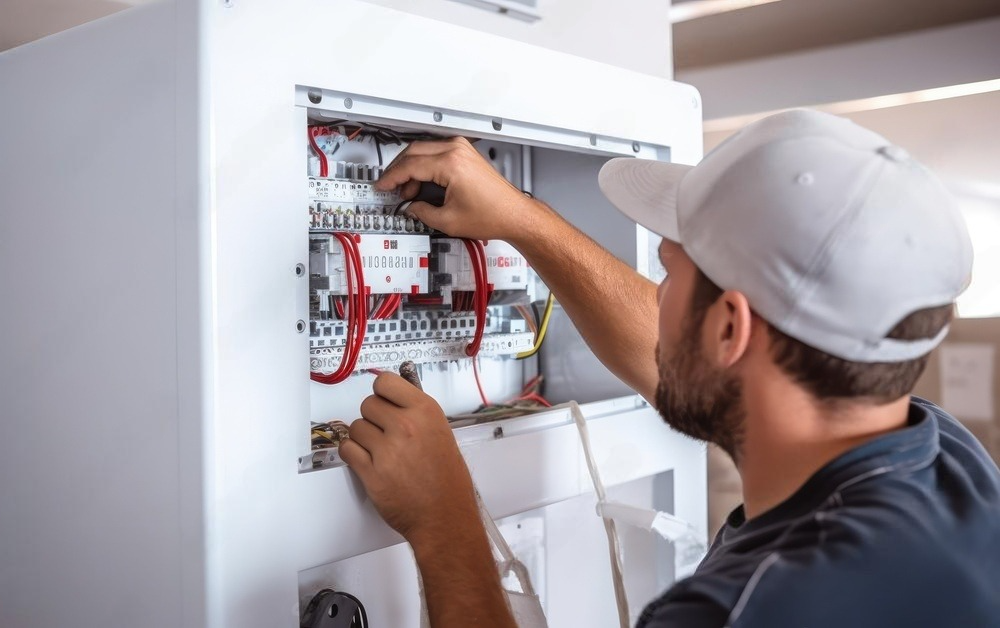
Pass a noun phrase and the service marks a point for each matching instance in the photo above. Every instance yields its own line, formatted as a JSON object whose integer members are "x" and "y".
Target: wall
{"x": 633, "y": 34}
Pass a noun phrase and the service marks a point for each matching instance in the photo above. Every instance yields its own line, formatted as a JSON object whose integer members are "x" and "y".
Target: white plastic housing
{"x": 506, "y": 268}
{"x": 153, "y": 419}
{"x": 390, "y": 263}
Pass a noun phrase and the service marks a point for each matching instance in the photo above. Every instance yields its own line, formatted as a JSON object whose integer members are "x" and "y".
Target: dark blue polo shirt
{"x": 902, "y": 531}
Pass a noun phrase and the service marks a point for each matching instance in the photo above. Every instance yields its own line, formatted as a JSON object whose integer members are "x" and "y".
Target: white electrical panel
{"x": 262, "y": 333}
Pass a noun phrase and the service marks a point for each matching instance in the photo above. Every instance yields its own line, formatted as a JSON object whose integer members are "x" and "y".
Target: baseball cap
{"x": 833, "y": 234}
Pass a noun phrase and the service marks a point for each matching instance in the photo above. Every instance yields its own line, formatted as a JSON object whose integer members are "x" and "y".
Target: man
{"x": 812, "y": 267}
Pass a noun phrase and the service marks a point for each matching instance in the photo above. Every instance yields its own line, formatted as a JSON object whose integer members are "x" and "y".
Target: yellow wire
{"x": 542, "y": 328}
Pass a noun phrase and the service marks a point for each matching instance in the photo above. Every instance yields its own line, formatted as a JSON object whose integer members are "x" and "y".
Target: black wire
{"x": 378, "y": 149}
{"x": 361, "y": 611}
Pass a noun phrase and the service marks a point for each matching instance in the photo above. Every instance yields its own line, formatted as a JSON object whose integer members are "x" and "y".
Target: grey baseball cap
{"x": 833, "y": 234}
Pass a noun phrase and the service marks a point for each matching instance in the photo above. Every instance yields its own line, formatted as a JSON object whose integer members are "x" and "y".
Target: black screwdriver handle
{"x": 430, "y": 192}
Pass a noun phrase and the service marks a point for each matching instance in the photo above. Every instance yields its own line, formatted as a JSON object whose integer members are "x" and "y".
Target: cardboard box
{"x": 976, "y": 408}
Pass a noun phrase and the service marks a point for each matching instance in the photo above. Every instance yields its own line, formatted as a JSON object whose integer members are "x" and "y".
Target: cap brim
{"x": 645, "y": 191}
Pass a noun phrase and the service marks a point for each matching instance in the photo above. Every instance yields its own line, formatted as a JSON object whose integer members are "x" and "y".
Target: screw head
{"x": 635, "y": 147}
{"x": 315, "y": 97}
{"x": 438, "y": 116}
{"x": 300, "y": 269}
{"x": 348, "y": 103}
{"x": 300, "y": 325}
{"x": 497, "y": 124}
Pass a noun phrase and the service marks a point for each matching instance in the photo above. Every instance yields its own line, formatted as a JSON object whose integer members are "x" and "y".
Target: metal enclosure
{"x": 155, "y": 388}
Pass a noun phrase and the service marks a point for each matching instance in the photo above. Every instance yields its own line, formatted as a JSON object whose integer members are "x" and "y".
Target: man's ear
{"x": 728, "y": 328}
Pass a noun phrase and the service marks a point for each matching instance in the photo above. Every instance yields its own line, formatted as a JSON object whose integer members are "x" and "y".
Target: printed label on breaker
{"x": 507, "y": 269}
{"x": 397, "y": 264}
{"x": 349, "y": 192}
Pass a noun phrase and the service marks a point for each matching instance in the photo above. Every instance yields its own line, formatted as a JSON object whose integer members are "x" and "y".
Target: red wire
{"x": 420, "y": 300}
{"x": 481, "y": 296}
{"x": 479, "y": 384}
{"x": 388, "y": 306}
{"x": 357, "y": 313}
{"x": 324, "y": 166}
{"x": 536, "y": 397}
{"x": 362, "y": 296}
{"x": 477, "y": 269}
{"x": 345, "y": 366}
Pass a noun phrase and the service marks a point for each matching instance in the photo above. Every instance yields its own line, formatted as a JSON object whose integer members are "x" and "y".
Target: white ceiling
{"x": 794, "y": 25}
{"x": 22, "y": 21}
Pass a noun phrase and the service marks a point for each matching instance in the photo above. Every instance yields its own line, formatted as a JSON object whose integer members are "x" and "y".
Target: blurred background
{"x": 926, "y": 75}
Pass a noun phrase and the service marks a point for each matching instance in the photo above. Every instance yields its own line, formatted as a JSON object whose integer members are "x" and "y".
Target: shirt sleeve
{"x": 689, "y": 611}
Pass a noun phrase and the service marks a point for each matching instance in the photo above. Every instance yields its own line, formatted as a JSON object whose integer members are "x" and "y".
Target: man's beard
{"x": 697, "y": 399}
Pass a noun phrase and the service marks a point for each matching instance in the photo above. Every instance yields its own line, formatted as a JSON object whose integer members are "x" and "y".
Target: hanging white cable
{"x": 614, "y": 544}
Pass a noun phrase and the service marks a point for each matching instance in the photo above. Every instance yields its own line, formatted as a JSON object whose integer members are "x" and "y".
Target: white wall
{"x": 951, "y": 55}
{"x": 634, "y": 34}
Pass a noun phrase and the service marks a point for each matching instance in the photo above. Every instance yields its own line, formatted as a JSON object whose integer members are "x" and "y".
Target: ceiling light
{"x": 702, "y": 8}
{"x": 864, "y": 104}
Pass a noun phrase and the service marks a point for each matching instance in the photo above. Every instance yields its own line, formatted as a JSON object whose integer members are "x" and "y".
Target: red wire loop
{"x": 324, "y": 164}
{"x": 357, "y": 313}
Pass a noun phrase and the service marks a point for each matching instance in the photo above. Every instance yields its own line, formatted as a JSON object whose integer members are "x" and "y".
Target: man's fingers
{"x": 408, "y": 167}
{"x": 440, "y": 218}
{"x": 368, "y": 435}
{"x": 379, "y": 412}
{"x": 356, "y": 457}
{"x": 429, "y": 147}
{"x": 409, "y": 189}
{"x": 397, "y": 390}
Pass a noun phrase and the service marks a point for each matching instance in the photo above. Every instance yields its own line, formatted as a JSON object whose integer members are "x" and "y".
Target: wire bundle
{"x": 356, "y": 314}
{"x": 481, "y": 297}
{"x": 324, "y": 163}
{"x": 480, "y": 301}
{"x": 387, "y": 306}
{"x": 541, "y": 328}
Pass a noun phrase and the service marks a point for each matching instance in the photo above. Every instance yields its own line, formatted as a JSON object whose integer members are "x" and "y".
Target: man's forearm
{"x": 461, "y": 582}
{"x": 611, "y": 304}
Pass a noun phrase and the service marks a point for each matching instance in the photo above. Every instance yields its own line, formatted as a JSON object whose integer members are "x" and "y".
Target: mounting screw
{"x": 315, "y": 97}
{"x": 300, "y": 269}
{"x": 348, "y": 103}
{"x": 593, "y": 140}
{"x": 498, "y": 432}
{"x": 438, "y": 116}
{"x": 300, "y": 325}
{"x": 635, "y": 147}
{"x": 497, "y": 124}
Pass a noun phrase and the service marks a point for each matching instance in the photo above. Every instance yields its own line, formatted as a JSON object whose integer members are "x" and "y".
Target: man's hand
{"x": 479, "y": 202}
{"x": 407, "y": 458}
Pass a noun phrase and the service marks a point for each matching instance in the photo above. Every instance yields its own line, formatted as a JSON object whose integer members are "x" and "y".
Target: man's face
{"x": 694, "y": 396}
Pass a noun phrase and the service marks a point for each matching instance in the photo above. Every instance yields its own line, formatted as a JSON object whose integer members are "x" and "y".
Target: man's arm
{"x": 405, "y": 454}
{"x": 612, "y": 305}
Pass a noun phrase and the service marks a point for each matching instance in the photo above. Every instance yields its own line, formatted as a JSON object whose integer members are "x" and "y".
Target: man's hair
{"x": 829, "y": 378}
